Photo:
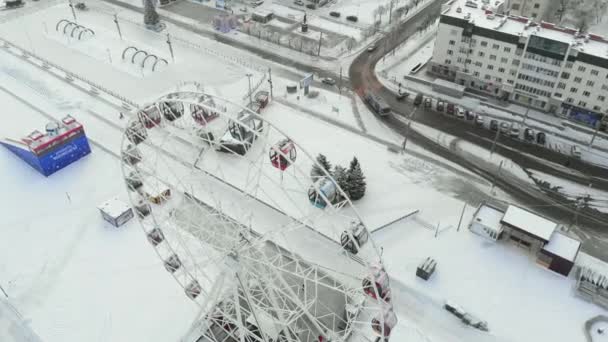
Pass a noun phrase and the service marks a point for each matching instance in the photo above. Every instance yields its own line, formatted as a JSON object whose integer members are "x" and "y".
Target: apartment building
{"x": 550, "y": 68}
{"x": 533, "y": 9}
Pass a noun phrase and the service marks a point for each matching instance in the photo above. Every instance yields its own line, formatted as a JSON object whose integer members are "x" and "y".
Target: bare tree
{"x": 350, "y": 43}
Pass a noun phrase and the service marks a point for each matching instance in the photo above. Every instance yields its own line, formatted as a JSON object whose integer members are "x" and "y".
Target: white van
{"x": 256, "y": 3}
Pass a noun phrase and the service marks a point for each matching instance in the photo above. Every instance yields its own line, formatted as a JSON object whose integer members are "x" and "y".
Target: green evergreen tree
{"x": 317, "y": 169}
{"x": 356, "y": 181}
{"x": 150, "y": 15}
{"x": 341, "y": 177}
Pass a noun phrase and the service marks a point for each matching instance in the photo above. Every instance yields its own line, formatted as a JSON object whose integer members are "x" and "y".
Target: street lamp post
{"x": 72, "y": 8}
{"x": 170, "y": 47}
{"x": 527, "y": 111}
{"x": 117, "y": 26}
{"x": 597, "y": 128}
{"x": 249, "y": 78}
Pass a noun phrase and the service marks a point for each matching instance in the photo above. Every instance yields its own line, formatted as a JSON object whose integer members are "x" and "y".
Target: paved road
{"x": 362, "y": 77}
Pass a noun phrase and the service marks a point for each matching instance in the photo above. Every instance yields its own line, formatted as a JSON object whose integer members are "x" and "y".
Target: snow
{"x": 114, "y": 207}
{"x": 489, "y": 217}
{"x": 563, "y": 246}
{"x": 335, "y": 27}
{"x": 529, "y": 222}
{"x": 587, "y": 261}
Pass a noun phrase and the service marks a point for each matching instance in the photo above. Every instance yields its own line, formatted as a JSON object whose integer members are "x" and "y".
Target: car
{"x": 328, "y": 80}
{"x": 418, "y": 100}
{"x": 334, "y": 14}
{"x": 541, "y": 138}
{"x": 371, "y": 48}
{"x": 257, "y": 3}
{"x": 243, "y": 9}
{"x": 469, "y": 114}
{"x": 514, "y": 132}
{"x": 402, "y": 95}
{"x": 493, "y": 125}
{"x": 450, "y": 108}
{"x": 311, "y": 6}
{"x": 352, "y": 18}
{"x": 460, "y": 113}
{"x": 576, "y": 151}
{"x": 529, "y": 134}
{"x": 440, "y": 106}
{"x": 299, "y": 2}
{"x": 504, "y": 128}
{"x": 479, "y": 120}
{"x": 428, "y": 103}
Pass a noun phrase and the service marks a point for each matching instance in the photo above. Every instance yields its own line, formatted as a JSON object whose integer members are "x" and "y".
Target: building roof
{"x": 114, "y": 207}
{"x": 529, "y": 222}
{"x": 563, "y": 246}
{"x": 489, "y": 217}
{"x": 263, "y": 12}
{"x": 587, "y": 261}
{"x": 483, "y": 16}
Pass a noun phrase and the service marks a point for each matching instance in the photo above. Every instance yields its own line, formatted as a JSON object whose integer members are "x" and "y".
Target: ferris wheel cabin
{"x": 377, "y": 284}
{"x": 172, "y": 110}
{"x": 282, "y": 154}
{"x": 322, "y": 191}
{"x": 354, "y": 238}
{"x": 390, "y": 321}
{"x": 63, "y": 143}
{"x": 150, "y": 116}
{"x": 241, "y": 133}
{"x": 201, "y": 114}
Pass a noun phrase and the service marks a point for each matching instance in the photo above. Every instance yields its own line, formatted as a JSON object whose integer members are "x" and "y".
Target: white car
{"x": 328, "y": 80}
{"x": 460, "y": 113}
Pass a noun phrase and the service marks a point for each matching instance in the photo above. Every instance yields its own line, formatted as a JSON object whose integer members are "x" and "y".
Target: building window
{"x": 492, "y": 57}
{"x": 481, "y": 54}
{"x": 604, "y": 87}
{"x": 504, "y": 60}
{"x": 565, "y": 75}
{"x": 569, "y": 65}
{"x": 510, "y": 81}
{"x": 495, "y": 46}
{"x": 507, "y": 49}
{"x": 578, "y": 79}
{"x": 537, "y": 5}
{"x": 590, "y": 83}
{"x": 450, "y": 52}
{"x": 478, "y": 64}
{"x": 586, "y": 93}
{"x": 515, "y": 7}
{"x": 488, "y": 77}
{"x": 534, "y": 15}
{"x": 573, "y": 90}
{"x": 467, "y": 61}
{"x": 452, "y": 42}
{"x": 490, "y": 67}
{"x": 597, "y": 108}
{"x": 476, "y": 73}
{"x": 561, "y": 85}
{"x": 582, "y": 68}
{"x": 501, "y": 70}
{"x": 498, "y": 80}
{"x": 569, "y": 100}
{"x": 594, "y": 72}
{"x": 484, "y": 43}
{"x": 558, "y": 95}
{"x": 601, "y": 98}
{"x": 447, "y": 61}
{"x": 582, "y": 103}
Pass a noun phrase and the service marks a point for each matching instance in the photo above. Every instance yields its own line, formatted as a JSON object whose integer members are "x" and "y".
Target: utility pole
{"x": 73, "y": 11}
{"x": 320, "y": 37}
{"x": 170, "y": 47}
{"x": 597, "y": 128}
{"x": 497, "y": 175}
{"x": 461, "y": 215}
{"x": 527, "y": 111}
{"x": 407, "y": 132}
{"x": 249, "y": 78}
{"x": 340, "y": 82}
{"x": 269, "y": 82}
{"x": 117, "y": 26}
{"x": 495, "y": 141}
{"x": 390, "y": 13}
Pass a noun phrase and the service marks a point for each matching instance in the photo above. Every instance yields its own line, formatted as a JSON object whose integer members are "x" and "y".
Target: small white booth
{"x": 115, "y": 211}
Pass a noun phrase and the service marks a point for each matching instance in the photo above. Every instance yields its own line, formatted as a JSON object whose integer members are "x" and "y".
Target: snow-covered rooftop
{"x": 563, "y": 246}
{"x": 114, "y": 207}
{"x": 489, "y": 217}
{"x": 529, "y": 222}
{"x": 484, "y": 16}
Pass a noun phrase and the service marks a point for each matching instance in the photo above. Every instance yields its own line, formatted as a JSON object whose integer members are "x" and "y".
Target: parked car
{"x": 440, "y": 106}
{"x": 479, "y": 120}
{"x": 372, "y": 47}
{"x": 299, "y": 2}
{"x": 493, "y": 125}
{"x": 504, "y": 128}
{"x": 311, "y": 6}
{"x": 328, "y": 80}
{"x": 469, "y": 114}
{"x": 335, "y": 14}
{"x": 576, "y": 151}
{"x": 257, "y": 3}
{"x": 460, "y": 113}
{"x": 352, "y": 18}
{"x": 529, "y": 134}
{"x": 450, "y": 108}
{"x": 541, "y": 138}
{"x": 402, "y": 95}
{"x": 418, "y": 100}
{"x": 514, "y": 132}
{"x": 428, "y": 103}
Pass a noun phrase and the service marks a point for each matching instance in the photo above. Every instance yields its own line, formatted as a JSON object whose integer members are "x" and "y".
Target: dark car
{"x": 541, "y": 138}
{"x": 440, "y": 106}
{"x": 493, "y": 125}
{"x": 450, "y": 108}
{"x": 428, "y": 103}
{"x": 311, "y": 6}
{"x": 469, "y": 114}
{"x": 352, "y": 18}
{"x": 335, "y": 14}
{"x": 418, "y": 100}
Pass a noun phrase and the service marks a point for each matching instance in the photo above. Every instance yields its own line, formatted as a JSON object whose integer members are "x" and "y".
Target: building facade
{"x": 534, "y": 9}
{"x": 541, "y": 65}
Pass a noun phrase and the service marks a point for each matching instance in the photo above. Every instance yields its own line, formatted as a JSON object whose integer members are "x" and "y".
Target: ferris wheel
{"x": 267, "y": 251}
